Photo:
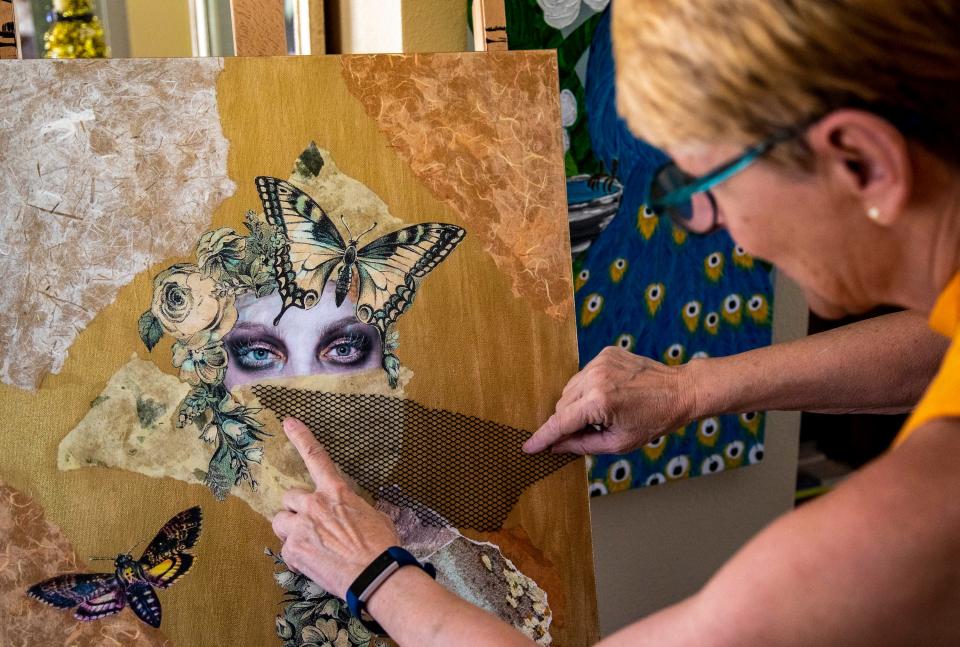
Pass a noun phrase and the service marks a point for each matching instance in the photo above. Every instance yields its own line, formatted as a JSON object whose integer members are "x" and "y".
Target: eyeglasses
{"x": 688, "y": 200}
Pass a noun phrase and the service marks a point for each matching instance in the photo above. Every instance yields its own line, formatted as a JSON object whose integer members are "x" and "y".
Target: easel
{"x": 489, "y": 26}
{"x": 9, "y": 42}
{"x": 258, "y": 28}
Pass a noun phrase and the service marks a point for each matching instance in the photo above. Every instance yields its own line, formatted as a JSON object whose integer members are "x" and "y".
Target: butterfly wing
{"x": 164, "y": 574}
{"x": 313, "y": 246}
{"x": 390, "y": 266}
{"x": 177, "y": 536}
{"x": 143, "y": 600}
{"x": 100, "y": 606}
{"x": 65, "y": 591}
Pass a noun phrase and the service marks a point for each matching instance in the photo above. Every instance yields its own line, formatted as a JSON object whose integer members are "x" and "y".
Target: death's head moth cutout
{"x": 258, "y": 306}
{"x": 98, "y": 595}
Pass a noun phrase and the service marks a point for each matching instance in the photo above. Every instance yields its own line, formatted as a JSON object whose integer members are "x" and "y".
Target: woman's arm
{"x": 332, "y": 534}
{"x": 415, "y": 610}
{"x": 876, "y": 562}
{"x": 881, "y": 365}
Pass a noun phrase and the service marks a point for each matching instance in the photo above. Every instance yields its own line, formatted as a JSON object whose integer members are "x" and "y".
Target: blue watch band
{"x": 379, "y": 571}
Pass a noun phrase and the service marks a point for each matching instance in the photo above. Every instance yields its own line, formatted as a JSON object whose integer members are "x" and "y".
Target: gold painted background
{"x": 473, "y": 347}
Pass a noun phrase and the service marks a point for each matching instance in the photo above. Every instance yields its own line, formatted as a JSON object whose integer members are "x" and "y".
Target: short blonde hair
{"x": 737, "y": 71}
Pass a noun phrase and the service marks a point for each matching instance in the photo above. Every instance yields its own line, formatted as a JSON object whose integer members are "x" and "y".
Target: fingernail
{"x": 289, "y": 424}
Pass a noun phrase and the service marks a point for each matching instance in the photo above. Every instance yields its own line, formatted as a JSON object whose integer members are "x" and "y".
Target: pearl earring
{"x": 873, "y": 213}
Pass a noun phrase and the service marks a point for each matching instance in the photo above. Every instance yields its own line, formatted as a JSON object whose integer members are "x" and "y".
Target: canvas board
{"x": 158, "y": 216}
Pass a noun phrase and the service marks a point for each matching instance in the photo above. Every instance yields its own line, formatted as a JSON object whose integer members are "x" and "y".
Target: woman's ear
{"x": 867, "y": 158}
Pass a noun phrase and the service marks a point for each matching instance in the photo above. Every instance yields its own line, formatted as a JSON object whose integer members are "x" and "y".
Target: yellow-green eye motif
{"x": 617, "y": 269}
{"x": 712, "y": 464}
{"x": 732, "y": 309}
{"x": 751, "y": 421}
{"x": 708, "y": 431}
{"x": 597, "y": 488}
{"x": 618, "y": 476}
{"x": 679, "y": 235}
{"x": 758, "y": 309}
{"x": 678, "y": 467}
{"x": 654, "y": 449}
{"x": 742, "y": 259}
{"x": 691, "y": 315}
{"x": 711, "y": 323}
{"x": 646, "y": 221}
{"x": 581, "y": 279}
{"x": 590, "y": 309}
{"x": 713, "y": 266}
{"x": 733, "y": 453}
{"x": 626, "y": 342}
{"x": 674, "y": 355}
{"x": 655, "y": 479}
{"x": 654, "y": 297}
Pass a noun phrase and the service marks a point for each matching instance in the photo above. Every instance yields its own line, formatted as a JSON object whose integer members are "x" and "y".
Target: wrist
{"x": 381, "y": 572}
{"x": 404, "y": 583}
{"x": 700, "y": 397}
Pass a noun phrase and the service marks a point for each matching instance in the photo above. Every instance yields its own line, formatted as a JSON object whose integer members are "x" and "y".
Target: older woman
{"x": 824, "y": 136}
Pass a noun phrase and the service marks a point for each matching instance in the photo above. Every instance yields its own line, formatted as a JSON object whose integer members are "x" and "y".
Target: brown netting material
{"x": 469, "y": 470}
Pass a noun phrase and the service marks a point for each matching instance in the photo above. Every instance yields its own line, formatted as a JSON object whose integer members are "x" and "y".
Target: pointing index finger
{"x": 567, "y": 420}
{"x": 322, "y": 469}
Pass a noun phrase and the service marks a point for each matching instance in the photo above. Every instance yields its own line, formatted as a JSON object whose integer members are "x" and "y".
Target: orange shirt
{"x": 942, "y": 397}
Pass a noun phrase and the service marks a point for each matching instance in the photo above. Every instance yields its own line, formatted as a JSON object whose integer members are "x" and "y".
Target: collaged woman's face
{"x": 323, "y": 339}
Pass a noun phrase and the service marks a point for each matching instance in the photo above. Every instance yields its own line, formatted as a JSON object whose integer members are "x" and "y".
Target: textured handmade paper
{"x": 104, "y": 170}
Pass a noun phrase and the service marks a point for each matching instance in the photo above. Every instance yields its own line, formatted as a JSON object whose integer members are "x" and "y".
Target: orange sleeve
{"x": 942, "y": 398}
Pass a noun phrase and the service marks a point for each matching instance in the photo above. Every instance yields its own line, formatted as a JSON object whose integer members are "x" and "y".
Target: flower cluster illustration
{"x": 195, "y": 303}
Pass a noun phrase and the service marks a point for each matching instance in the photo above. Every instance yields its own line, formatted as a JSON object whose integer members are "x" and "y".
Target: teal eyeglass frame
{"x": 670, "y": 201}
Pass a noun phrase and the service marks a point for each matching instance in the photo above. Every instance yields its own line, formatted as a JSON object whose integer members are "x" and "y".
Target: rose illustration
{"x": 185, "y": 302}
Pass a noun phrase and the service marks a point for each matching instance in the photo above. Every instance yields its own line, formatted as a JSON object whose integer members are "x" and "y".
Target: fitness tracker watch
{"x": 389, "y": 562}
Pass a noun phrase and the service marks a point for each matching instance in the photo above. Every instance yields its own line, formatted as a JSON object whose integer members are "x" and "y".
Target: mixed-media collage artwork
{"x": 642, "y": 283}
{"x": 266, "y": 264}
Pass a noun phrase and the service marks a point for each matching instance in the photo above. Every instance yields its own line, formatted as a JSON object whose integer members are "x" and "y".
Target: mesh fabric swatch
{"x": 470, "y": 471}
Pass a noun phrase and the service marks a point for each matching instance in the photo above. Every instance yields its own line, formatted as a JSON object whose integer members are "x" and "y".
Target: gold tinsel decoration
{"x": 76, "y": 32}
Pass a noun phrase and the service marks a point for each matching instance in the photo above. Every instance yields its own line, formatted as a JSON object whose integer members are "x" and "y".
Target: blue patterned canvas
{"x": 641, "y": 283}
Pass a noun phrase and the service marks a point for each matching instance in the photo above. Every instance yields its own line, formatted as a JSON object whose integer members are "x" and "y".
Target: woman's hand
{"x": 330, "y": 535}
{"x": 617, "y": 403}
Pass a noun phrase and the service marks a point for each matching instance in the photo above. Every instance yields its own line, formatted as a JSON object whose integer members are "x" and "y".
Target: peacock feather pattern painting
{"x": 640, "y": 283}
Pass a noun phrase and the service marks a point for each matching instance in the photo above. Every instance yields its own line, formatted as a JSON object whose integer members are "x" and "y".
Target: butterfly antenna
{"x": 129, "y": 552}
{"x": 372, "y": 227}
{"x": 347, "y": 227}
{"x": 283, "y": 308}
{"x": 100, "y": 559}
